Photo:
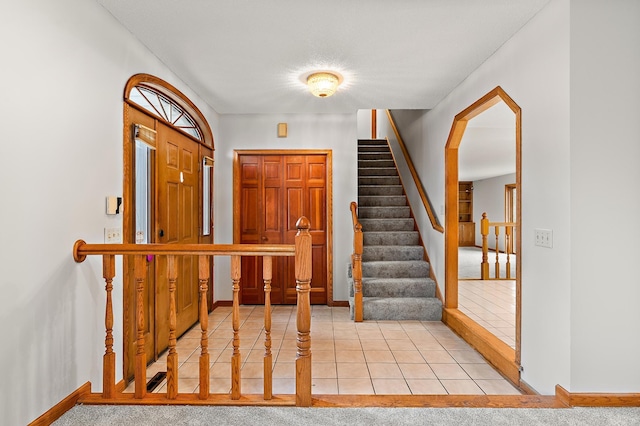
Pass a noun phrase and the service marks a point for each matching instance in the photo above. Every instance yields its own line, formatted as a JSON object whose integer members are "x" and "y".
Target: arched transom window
{"x": 158, "y": 104}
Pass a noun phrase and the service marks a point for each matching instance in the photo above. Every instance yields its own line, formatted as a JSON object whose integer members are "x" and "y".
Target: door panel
{"x": 275, "y": 190}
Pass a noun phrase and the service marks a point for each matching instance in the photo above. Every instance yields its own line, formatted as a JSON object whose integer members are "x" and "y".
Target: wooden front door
{"x": 274, "y": 191}
{"x": 177, "y": 223}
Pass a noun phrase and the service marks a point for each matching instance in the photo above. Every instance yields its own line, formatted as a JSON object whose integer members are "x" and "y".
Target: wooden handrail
{"x": 508, "y": 235}
{"x": 301, "y": 249}
{"x": 435, "y": 223}
{"x": 356, "y": 264}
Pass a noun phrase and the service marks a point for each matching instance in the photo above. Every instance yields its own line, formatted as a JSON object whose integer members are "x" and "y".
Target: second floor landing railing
{"x": 301, "y": 249}
{"x": 503, "y": 232}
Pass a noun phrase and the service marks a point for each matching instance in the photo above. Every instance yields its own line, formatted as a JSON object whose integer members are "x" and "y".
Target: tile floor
{"x": 492, "y": 304}
{"x": 372, "y": 357}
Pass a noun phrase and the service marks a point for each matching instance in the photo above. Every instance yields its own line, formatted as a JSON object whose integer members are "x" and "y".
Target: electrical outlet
{"x": 544, "y": 238}
{"x": 113, "y": 235}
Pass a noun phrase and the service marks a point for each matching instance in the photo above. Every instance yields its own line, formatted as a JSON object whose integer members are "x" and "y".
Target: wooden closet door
{"x": 275, "y": 190}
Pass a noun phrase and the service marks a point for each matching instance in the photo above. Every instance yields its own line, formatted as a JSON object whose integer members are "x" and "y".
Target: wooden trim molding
{"x": 496, "y": 352}
{"x": 435, "y": 223}
{"x": 597, "y": 399}
{"x": 55, "y": 412}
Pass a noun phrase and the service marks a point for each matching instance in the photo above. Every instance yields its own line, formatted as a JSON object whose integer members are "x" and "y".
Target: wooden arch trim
{"x": 451, "y": 199}
{"x": 176, "y": 95}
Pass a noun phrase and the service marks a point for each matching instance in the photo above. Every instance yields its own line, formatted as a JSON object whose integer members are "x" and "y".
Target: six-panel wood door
{"x": 177, "y": 223}
{"x": 275, "y": 190}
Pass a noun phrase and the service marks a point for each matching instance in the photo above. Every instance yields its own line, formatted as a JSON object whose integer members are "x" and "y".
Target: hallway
{"x": 373, "y": 357}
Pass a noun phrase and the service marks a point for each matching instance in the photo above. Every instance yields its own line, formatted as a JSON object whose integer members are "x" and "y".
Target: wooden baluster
{"x": 497, "y": 231}
{"x": 203, "y": 277}
{"x": 235, "y": 357}
{"x": 303, "y": 319}
{"x": 484, "y": 231}
{"x": 507, "y": 245}
{"x": 172, "y": 357}
{"x": 268, "y": 357}
{"x": 358, "y": 238}
{"x": 140, "y": 369}
{"x": 109, "y": 359}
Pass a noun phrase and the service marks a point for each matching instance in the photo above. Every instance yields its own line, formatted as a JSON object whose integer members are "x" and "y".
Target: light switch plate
{"x": 112, "y": 235}
{"x": 544, "y": 238}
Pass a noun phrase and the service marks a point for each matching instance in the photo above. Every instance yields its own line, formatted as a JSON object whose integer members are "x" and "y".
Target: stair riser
{"x": 392, "y": 253}
{"x": 362, "y": 142}
{"x": 382, "y": 200}
{"x": 372, "y": 148}
{"x": 391, "y": 289}
{"x": 375, "y": 163}
{"x": 380, "y": 190}
{"x": 375, "y": 156}
{"x": 383, "y": 171}
{"x": 391, "y": 238}
{"x": 383, "y": 212}
{"x": 401, "y": 309}
{"x": 402, "y": 270}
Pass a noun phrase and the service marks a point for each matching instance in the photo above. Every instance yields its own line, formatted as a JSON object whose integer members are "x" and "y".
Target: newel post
{"x": 303, "y": 288}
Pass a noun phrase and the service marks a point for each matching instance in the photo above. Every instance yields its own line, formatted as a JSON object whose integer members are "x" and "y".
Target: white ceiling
{"x": 245, "y": 56}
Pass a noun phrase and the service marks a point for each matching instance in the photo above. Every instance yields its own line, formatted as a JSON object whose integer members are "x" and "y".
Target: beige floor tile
{"x": 481, "y": 372}
{"x": 251, "y": 386}
{"x": 417, "y": 371}
{"x": 323, "y": 345}
{"x": 219, "y": 386}
{"x": 390, "y": 387}
{"x": 497, "y": 387}
{"x": 252, "y": 370}
{"x": 349, "y": 356}
{"x": 438, "y": 357}
{"x": 216, "y": 343}
{"x": 370, "y": 334}
{"x": 408, "y": 357}
{"x": 347, "y": 345}
{"x": 323, "y": 370}
{"x": 374, "y": 344}
{"x": 431, "y": 345}
{"x": 184, "y": 386}
{"x": 284, "y": 370}
{"x": 461, "y": 387}
{"x": 467, "y": 357}
{"x": 283, "y": 386}
{"x": 352, "y": 370}
{"x": 379, "y": 356}
{"x": 220, "y": 370}
{"x": 449, "y": 371}
{"x": 286, "y": 355}
{"x": 323, "y": 356}
{"x": 355, "y": 386}
{"x": 384, "y": 370}
{"x": 426, "y": 387}
{"x": 189, "y": 370}
{"x": 401, "y": 345}
{"x": 324, "y": 386}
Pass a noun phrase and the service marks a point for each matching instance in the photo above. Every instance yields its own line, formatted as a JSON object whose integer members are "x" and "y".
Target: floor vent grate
{"x": 156, "y": 380}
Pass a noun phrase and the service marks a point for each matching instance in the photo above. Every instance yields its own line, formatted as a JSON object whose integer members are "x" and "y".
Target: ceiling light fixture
{"x": 323, "y": 84}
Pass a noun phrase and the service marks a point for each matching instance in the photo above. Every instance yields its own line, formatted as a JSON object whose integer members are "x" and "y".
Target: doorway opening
{"x": 168, "y": 188}
{"x": 506, "y": 358}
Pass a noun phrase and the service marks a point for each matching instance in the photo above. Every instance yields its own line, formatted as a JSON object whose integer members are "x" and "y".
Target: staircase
{"x": 395, "y": 276}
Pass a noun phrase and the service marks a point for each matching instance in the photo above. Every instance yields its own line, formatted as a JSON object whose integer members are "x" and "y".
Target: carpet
{"x": 265, "y": 416}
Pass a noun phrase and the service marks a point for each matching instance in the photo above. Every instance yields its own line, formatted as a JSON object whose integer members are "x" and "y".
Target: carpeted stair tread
{"x": 379, "y": 180}
{"x": 396, "y": 269}
{"x": 377, "y": 171}
{"x": 392, "y": 253}
{"x": 382, "y": 200}
{"x": 380, "y": 190}
{"x": 395, "y": 238}
{"x": 375, "y": 156}
{"x": 388, "y": 224}
{"x": 384, "y": 212}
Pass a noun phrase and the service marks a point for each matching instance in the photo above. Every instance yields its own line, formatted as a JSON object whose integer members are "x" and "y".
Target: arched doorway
{"x": 506, "y": 359}
{"x": 167, "y": 194}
